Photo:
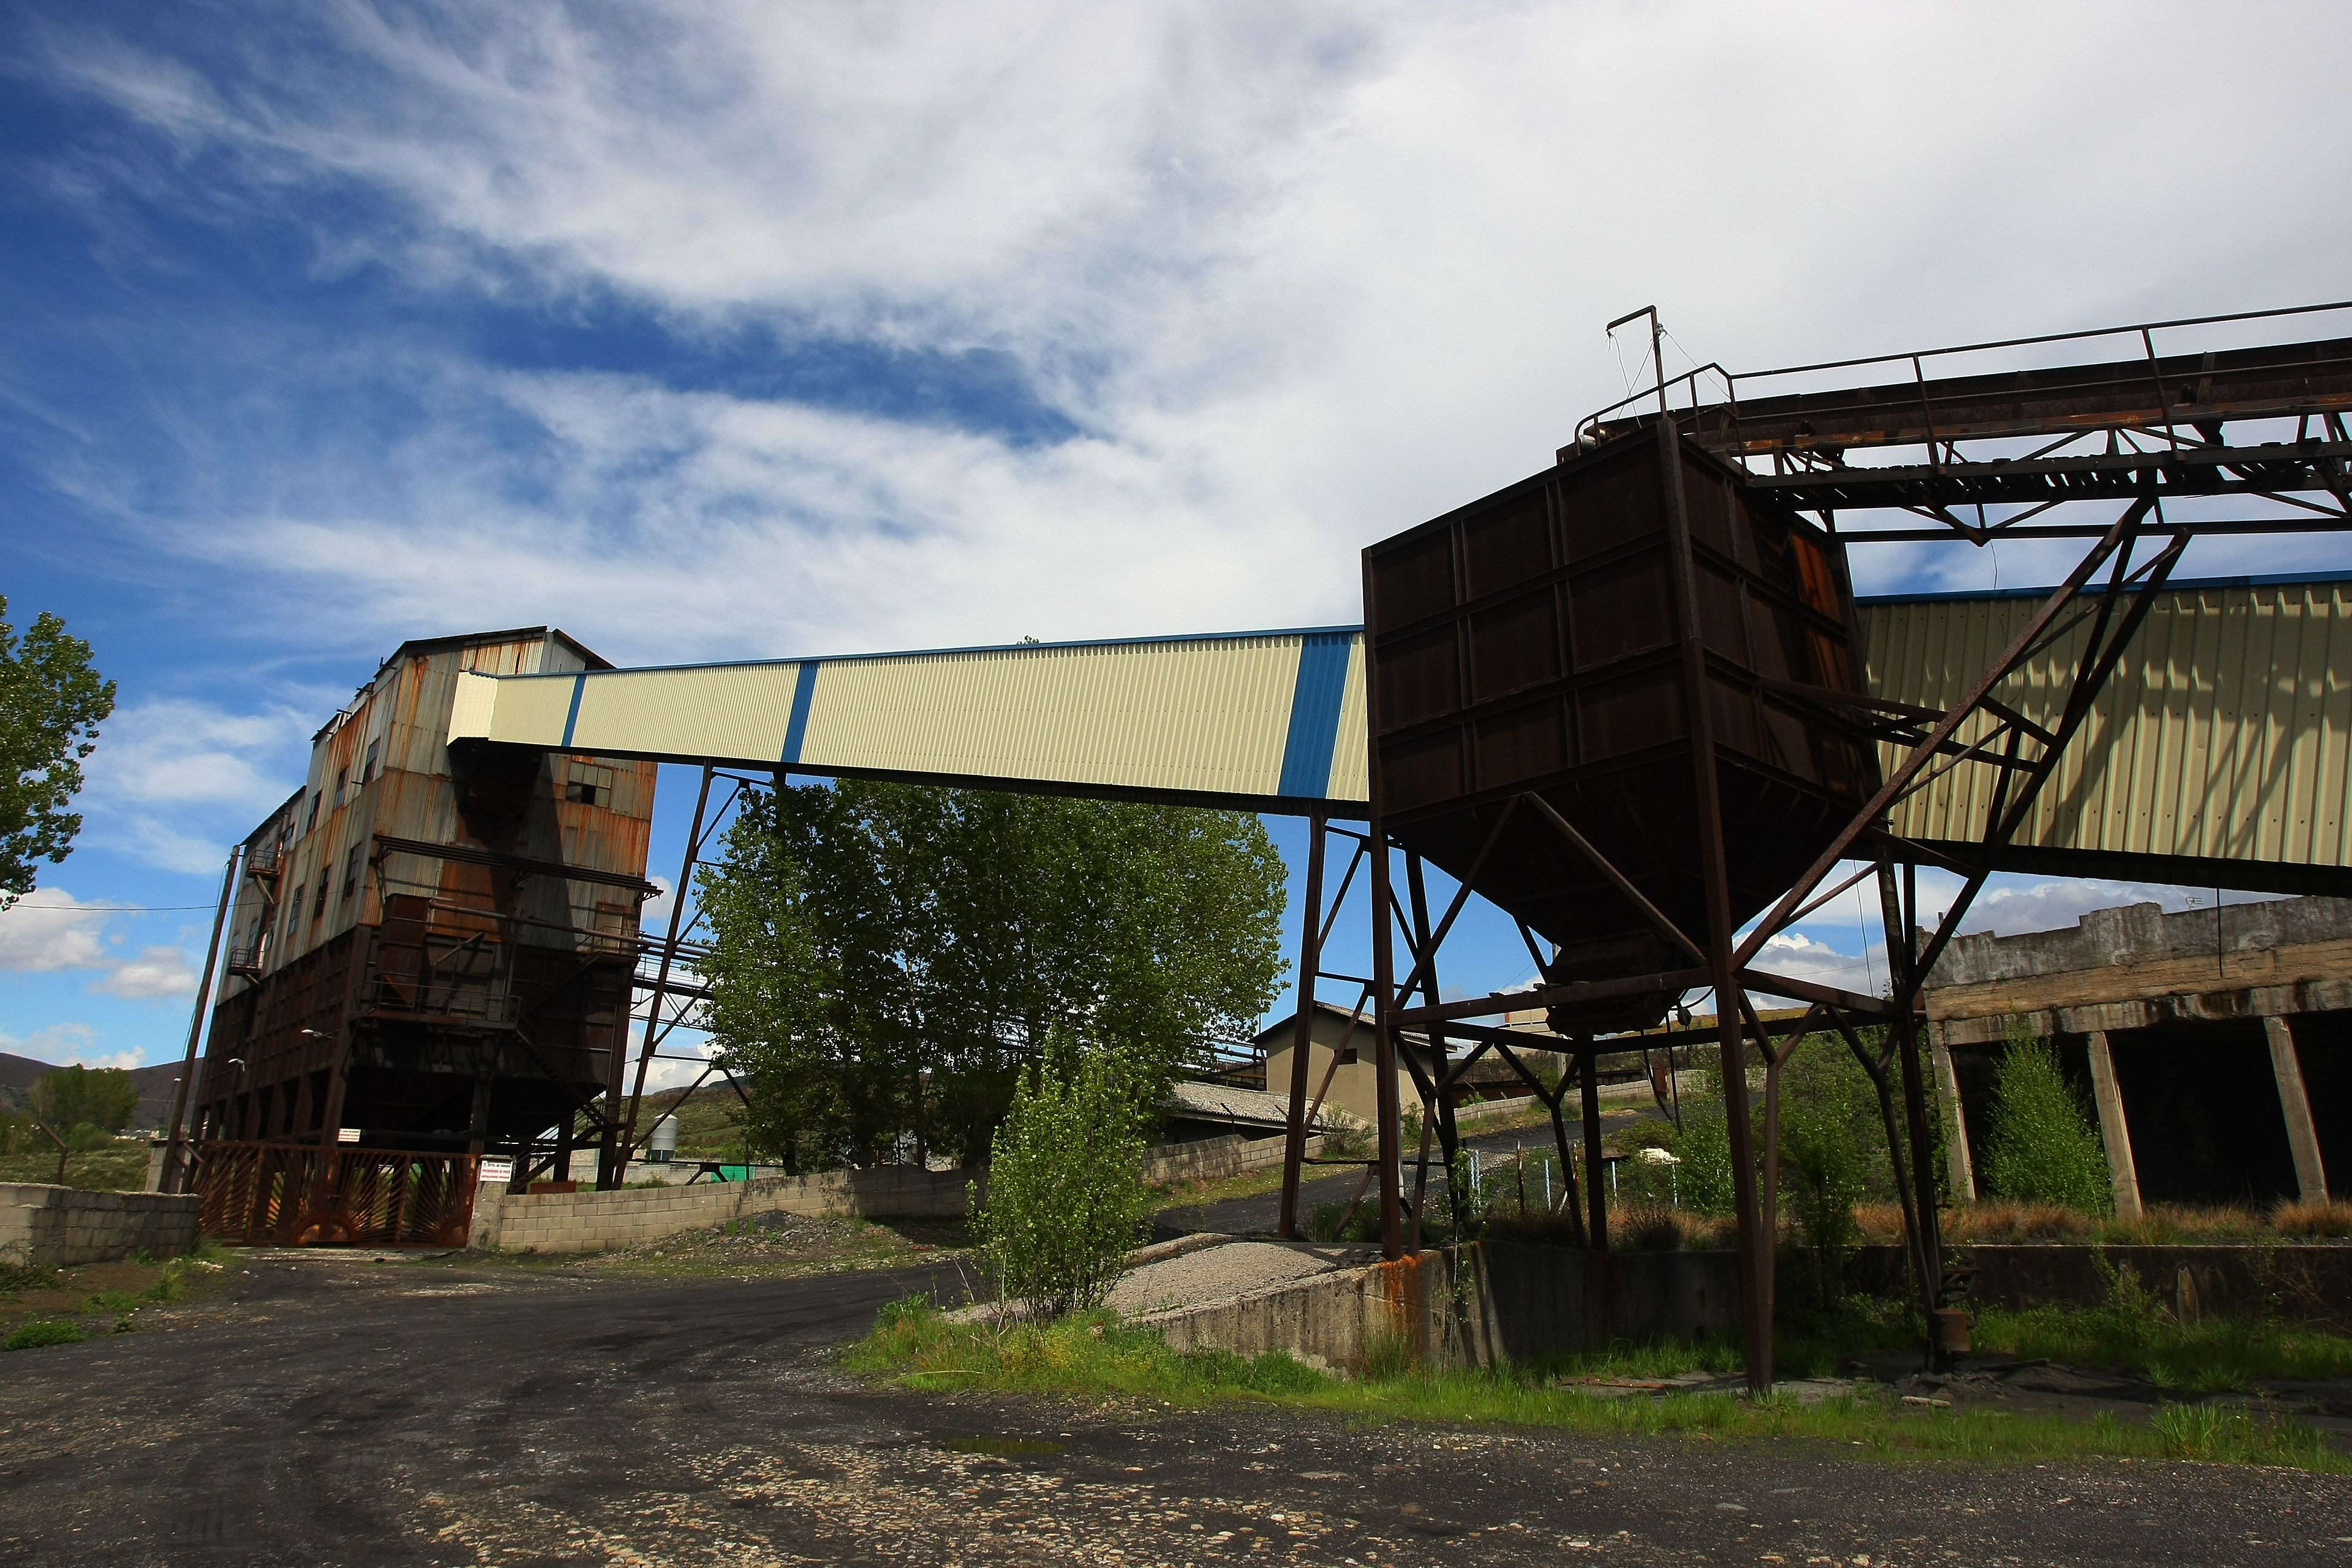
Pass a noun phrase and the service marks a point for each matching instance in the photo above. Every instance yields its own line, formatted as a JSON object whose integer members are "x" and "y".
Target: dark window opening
{"x": 589, "y": 784}
{"x": 351, "y": 873}
{"x": 342, "y": 783}
{"x": 367, "y": 772}
{"x": 314, "y": 811}
{"x": 319, "y": 901}
{"x": 2203, "y": 1107}
{"x": 1348, "y": 1057}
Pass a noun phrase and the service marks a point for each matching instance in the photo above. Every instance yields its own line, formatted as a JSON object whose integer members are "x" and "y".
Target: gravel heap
{"x": 1212, "y": 1274}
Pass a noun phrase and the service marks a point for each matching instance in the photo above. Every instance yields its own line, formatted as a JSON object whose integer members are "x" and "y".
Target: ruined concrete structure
{"x": 2216, "y": 1042}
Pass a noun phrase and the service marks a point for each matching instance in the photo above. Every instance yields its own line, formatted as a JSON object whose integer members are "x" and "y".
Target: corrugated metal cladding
{"x": 1253, "y": 718}
{"x": 2226, "y": 730}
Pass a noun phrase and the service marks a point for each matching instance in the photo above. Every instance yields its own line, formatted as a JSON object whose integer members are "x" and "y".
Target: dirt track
{"x": 337, "y": 1412}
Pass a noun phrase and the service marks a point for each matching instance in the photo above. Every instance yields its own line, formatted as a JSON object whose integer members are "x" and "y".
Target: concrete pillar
{"x": 1962, "y": 1165}
{"x": 2113, "y": 1130}
{"x": 2302, "y": 1137}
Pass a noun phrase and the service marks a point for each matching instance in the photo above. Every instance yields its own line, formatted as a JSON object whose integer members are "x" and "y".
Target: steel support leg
{"x": 1302, "y": 1037}
{"x": 619, "y": 1163}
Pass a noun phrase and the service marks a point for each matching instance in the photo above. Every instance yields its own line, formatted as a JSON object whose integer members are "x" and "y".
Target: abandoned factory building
{"x": 2215, "y": 1043}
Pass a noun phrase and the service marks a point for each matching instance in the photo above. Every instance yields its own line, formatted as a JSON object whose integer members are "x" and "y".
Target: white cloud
{"x": 2009, "y": 905}
{"x": 67, "y": 1044}
{"x": 180, "y": 751}
{"x": 49, "y": 929}
{"x": 1800, "y": 957}
{"x": 158, "y": 973}
{"x": 653, "y": 917}
{"x": 175, "y": 781}
{"x": 1301, "y": 279}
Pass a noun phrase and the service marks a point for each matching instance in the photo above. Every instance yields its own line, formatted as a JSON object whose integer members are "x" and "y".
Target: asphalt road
{"x": 335, "y": 1411}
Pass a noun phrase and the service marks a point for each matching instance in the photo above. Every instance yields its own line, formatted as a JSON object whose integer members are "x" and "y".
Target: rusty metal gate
{"x": 258, "y": 1193}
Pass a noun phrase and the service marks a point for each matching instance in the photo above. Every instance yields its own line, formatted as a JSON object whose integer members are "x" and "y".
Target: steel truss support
{"x": 1980, "y": 729}
{"x": 672, "y": 993}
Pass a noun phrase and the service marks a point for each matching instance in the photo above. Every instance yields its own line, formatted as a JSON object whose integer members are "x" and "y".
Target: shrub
{"x": 1066, "y": 1195}
{"x": 2043, "y": 1145}
{"x": 1833, "y": 1145}
{"x": 1334, "y": 1222}
{"x": 42, "y": 1331}
{"x": 1703, "y": 1144}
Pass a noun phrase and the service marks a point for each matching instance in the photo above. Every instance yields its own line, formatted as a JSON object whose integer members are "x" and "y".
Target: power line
{"x": 113, "y": 908}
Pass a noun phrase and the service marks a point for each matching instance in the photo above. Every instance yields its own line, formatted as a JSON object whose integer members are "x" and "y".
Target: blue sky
{"x": 748, "y": 329}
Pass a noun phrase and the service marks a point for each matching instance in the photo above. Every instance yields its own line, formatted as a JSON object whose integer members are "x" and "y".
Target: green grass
{"x": 17, "y": 1276}
{"x": 42, "y": 1331}
{"x": 2204, "y": 1357}
{"x": 1095, "y": 1355}
{"x": 118, "y": 1167}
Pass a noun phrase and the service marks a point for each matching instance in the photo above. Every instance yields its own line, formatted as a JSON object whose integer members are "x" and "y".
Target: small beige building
{"x": 1352, "y": 1085}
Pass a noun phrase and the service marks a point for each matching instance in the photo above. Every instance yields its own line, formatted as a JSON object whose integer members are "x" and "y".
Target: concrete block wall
{"x": 52, "y": 1226}
{"x": 1216, "y": 1159}
{"x": 594, "y": 1222}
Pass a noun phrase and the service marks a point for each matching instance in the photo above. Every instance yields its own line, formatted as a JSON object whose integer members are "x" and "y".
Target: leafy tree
{"x": 2041, "y": 1144}
{"x": 888, "y": 958}
{"x": 70, "y": 1098}
{"x": 51, "y": 703}
{"x": 1066, "y": 1198}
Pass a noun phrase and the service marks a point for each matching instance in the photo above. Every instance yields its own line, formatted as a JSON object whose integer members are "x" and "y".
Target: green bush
{"x": 1703, "y": 1144}
{"x": 2042, "y": 1145}
{"x": 1833, "y": 1155}
{"x": 42, "y": 1331}
{"x": 1333, "y": 1222}
{"x": 1065, "y": 1196}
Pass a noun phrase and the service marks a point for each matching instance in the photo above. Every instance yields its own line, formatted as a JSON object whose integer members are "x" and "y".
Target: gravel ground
{"x": 1213, "y": 1274}
{"x": 328, "y": 1412}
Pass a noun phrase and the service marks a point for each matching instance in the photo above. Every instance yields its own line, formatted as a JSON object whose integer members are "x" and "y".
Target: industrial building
{"x": 431, "y": 955}
{"x": 2215, "y": 1044}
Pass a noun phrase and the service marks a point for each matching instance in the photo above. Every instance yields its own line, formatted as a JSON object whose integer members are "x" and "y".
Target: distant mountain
{"x": 156, "y": 1085}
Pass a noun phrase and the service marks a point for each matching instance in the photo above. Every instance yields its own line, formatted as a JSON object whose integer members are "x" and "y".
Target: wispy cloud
{"x": 158, "y": 973}
{"x": 1293, "y": 280}
{"x": 49, "y": 929}
{"x": 174, "y": 780}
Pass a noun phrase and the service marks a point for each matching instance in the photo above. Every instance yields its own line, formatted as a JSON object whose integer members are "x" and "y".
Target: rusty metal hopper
{"x": 1527, "y": 643}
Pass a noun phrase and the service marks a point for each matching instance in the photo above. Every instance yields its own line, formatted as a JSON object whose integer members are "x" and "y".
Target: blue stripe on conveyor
{"x": 1315, "y": 715}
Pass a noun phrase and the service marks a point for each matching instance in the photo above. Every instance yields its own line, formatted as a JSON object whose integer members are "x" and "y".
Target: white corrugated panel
{"x": 2224, "y": 732}
{"x": 736, "y": 712}
{"x": 1208, "y": 715}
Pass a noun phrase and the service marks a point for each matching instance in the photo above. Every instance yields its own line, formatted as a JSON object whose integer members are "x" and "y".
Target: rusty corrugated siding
{"x": 2225, "y": 731}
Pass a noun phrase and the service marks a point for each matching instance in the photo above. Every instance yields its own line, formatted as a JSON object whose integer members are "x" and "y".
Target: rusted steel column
{"x": 1755, "y": 1246}
{"x": 2123, "y": 1175}
{"x": 1898, "y": 910}
{"x": 1384, "y": 1057}
{"x": 1384, "y": 997}
{"x": 1302, "y": 1037}
{"x": 1596, "y": 1164}
{"x": 175, "y": 1177}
